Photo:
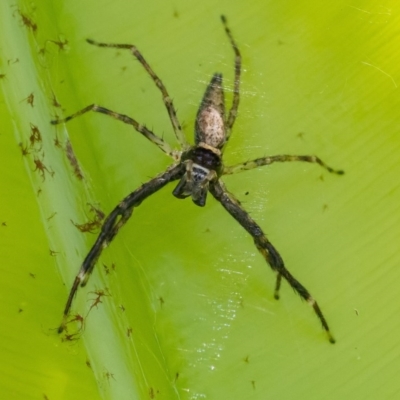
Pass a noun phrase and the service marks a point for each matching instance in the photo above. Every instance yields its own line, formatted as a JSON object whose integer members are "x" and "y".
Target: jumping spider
{"x": 198, "y": 168}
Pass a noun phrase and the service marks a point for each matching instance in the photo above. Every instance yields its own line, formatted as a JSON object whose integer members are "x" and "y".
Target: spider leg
{"x": 162, "y": 145}
{"x": 113, "y": 223}
{"x": 265, "y": 247}
{"x": 259, "y": 162}
{"x": 238, "y": 62}
{"x": 165, "y": 96}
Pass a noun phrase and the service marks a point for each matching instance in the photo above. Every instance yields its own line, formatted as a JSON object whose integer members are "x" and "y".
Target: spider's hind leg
{"x": 259, "y": 162}
{"x": 147, "y": 133}
{"x": 158, "y": 82}
{"x": 236, "y": 85}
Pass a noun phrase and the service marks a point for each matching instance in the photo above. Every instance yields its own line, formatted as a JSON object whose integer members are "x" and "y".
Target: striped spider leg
{"x": 122, "y": 212}
{"x": 198, "y": 169}
{"x": 265, "y": 247}
{"x": 113, "y": 223}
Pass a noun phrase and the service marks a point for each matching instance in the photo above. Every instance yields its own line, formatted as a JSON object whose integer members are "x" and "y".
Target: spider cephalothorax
{"x": 199, "y": 169}
{"x": 203, "y": 162}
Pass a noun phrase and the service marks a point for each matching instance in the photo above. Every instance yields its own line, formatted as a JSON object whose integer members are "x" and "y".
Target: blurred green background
{"x": 191, "y": 313}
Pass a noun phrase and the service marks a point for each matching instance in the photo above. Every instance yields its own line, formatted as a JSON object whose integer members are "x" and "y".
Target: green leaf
{"x": 189, "y": 311}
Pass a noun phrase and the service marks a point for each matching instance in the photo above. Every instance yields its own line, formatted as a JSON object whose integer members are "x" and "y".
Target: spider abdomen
{"x": 210, "y": 121}
{"x": 211, "y": 125}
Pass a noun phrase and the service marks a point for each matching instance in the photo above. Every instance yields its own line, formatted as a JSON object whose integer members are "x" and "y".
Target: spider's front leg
{"x": 265, "y": 247}
{"x": 113, "y": 223}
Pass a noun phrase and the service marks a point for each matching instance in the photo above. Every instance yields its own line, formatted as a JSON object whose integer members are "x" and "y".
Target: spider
{"x": 198, "y": 168}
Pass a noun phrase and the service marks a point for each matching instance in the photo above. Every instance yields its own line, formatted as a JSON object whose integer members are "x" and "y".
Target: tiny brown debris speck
{"x": 27, "y": 21}
{"x": 61, "y": 44}
{"x": 12, "y": 61}
{"x": 30, "y": 99}
{"x": 99, "y": 214}
{"x": 57, "y": 143}
{"x": 52, "y": 216}
{"x": 73, "y": 160}
{"x": 108, "y": 375}
{"x": 24, "y": 149}
{"x": 54, "y": 101}
{"x": 100, "y": 293}
{"x": 94, "y": 224}
{"x": 70, "y": 337}
{"x": 35, "y": 136}
{"x": 78, "y": 318}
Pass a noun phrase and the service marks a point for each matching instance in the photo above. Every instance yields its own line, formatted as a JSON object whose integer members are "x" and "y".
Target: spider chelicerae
{"x": 198, "y": 168}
